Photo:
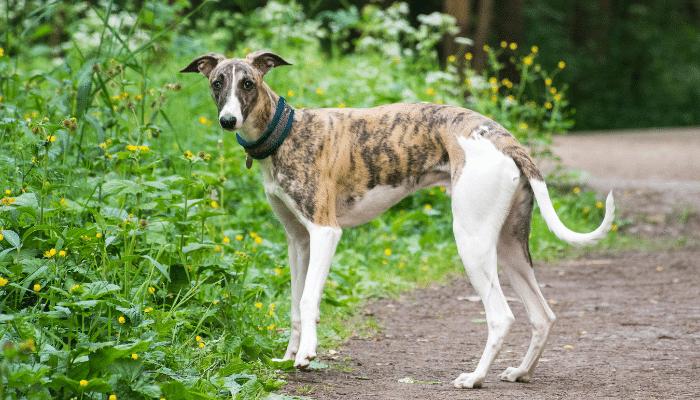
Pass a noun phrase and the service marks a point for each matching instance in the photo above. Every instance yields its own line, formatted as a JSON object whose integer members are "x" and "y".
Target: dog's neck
{"x": 277, "y": 121}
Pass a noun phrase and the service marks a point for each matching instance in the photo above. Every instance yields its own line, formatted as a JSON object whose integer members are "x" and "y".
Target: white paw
{"x": 303, "y": 359}
{"x": 468, "y": 381}
{"x": 515, "y": 375}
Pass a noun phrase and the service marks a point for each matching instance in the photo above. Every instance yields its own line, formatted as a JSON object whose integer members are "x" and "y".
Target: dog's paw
{"x": 515, "y": 375}
{"x": 468, "y": 381}
{"x": 303, "y": 359}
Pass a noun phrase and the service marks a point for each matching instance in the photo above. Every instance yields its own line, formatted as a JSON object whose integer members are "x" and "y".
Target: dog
{"x": 326, "y": 169}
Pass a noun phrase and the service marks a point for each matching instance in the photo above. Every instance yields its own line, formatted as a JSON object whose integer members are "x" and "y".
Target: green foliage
{"x": 139, "y": 258}
{"x": 632, "y": 65}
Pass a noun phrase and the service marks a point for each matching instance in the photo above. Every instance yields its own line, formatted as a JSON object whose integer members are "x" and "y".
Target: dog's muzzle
{"x": 228, "y": 123}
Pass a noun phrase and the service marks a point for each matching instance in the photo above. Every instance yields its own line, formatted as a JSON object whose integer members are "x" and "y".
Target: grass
{"x": 139, "y": 257}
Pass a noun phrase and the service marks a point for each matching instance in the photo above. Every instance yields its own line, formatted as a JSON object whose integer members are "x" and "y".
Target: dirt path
{"x": 628, "y": 323}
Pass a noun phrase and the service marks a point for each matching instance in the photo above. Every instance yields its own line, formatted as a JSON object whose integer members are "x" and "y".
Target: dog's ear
{"x": 204, "y": 64}
{"x": 265, "y": 61}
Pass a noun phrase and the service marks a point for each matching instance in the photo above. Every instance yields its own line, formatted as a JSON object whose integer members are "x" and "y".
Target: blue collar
{"x": 273, "y": 137}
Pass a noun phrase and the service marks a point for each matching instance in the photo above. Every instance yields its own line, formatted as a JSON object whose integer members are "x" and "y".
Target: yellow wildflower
{"x": 98, "y": 235}
{"x": 50, "y": 253}
{"x": 201, "y": 345}
{"x": 523, "y": 126}
{"x": 3, "y": 281}
{"x": 135, "y": 356}
{"x": 271, "y": 313}
{"x": 271, "y": 327}
{"x": 451, "y": 59}
{"x": 227, "y": 240}
{"x": 239, "y": 237}
{"x": 103, "y": 145}
{"x": 112, "y": 397}
{"x": 534, "y": 49}
{"x": 548, "y": 105}
{"x": 561, "y": 64}
{"x": 151, "y": 289}
{"x": 278, "y": 271}
{"x": 290, "y": 93}
{"x": 528, "y": 60}
{"x": 468, "y": 56}
{"x": 319, "y": 91}
{"x": 430, "y": 91}
{"x": 37, "y": 287}
{"x": 341, "y": 105}
{"x": 122, "y": 320}
{"x": 131, "y": 147}
{"x": 2, "y": 53}
{"x": 83, "y": 383}
{"x": 205, "y": 121}
{"x": 62, "y": 253}
{"x": 577, "y": 190}
{"x": 428, "y": 207}
{"x": 258, "y": 240}
{"x": 217, "y": 248}
{"x": 548, "y": 81}
{"x": 144, "y": 148}
{"x": 504, "y": 44}
{"x": 599, "y": 204}
{"x": 198, "y": 339}
{"x": 8, "y": 192}
{"x": 513, "y": 46}
{"x": 258, "y": 305}
{"x": 387, "y": 252}
{"x": 214, "y": 204}
{"x": 272, "y": 306}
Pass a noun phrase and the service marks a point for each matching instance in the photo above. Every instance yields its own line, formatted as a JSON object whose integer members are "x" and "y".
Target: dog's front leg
{"x": 323, "y": 242}
{"x": 298, "y": 250}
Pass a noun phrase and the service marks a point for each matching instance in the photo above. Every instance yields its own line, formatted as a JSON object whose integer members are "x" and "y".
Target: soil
{"x": 628, "y": 321}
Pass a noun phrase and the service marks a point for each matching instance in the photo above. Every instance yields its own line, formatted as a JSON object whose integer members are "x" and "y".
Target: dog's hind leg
{"x": 481, "y": 200}
{"x": 514, "y": 258}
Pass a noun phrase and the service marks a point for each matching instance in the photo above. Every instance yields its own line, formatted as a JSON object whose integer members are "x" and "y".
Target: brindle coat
{"x": 343, "y": 167}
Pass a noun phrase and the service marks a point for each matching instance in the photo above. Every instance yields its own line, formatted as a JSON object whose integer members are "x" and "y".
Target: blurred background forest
{"x": 630, "y": 63}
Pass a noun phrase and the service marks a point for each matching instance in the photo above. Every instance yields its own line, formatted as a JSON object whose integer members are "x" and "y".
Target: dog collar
{"x": 273, "y": 137}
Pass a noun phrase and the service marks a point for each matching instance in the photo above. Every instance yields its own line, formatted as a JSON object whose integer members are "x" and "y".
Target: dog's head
{"x": 236, "y": 83}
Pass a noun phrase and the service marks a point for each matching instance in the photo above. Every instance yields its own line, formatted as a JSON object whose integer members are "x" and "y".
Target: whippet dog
{"x": 325, "y": 169}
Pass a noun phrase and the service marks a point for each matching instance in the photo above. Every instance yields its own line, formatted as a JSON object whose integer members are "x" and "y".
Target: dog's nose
{"x": 228, "y": 122}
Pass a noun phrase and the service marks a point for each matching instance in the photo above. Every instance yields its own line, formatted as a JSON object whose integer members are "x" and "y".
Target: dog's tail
{"x": 555, "y": 225}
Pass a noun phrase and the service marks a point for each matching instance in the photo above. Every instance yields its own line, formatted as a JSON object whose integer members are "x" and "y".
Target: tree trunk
{"x": 482, "y": 34}
{"x": 461, "y": 10}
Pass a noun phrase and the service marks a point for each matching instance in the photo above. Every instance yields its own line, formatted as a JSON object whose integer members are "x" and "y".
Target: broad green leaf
{"x": 12, "y": 237}
{"x": 96, "y": 290}
{"x": 99, "y": 219}
{"x": 175, "y": 390}
{"x": 105, "y": 356}
{"x": 128, "y": 368}
{"x": 163, "y": 269}
{"x": 22, "y": 375}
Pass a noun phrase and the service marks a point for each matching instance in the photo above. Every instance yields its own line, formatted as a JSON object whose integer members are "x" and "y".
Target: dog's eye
{"x": 248, "y": 84}
{"x": 216, "y": 85}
